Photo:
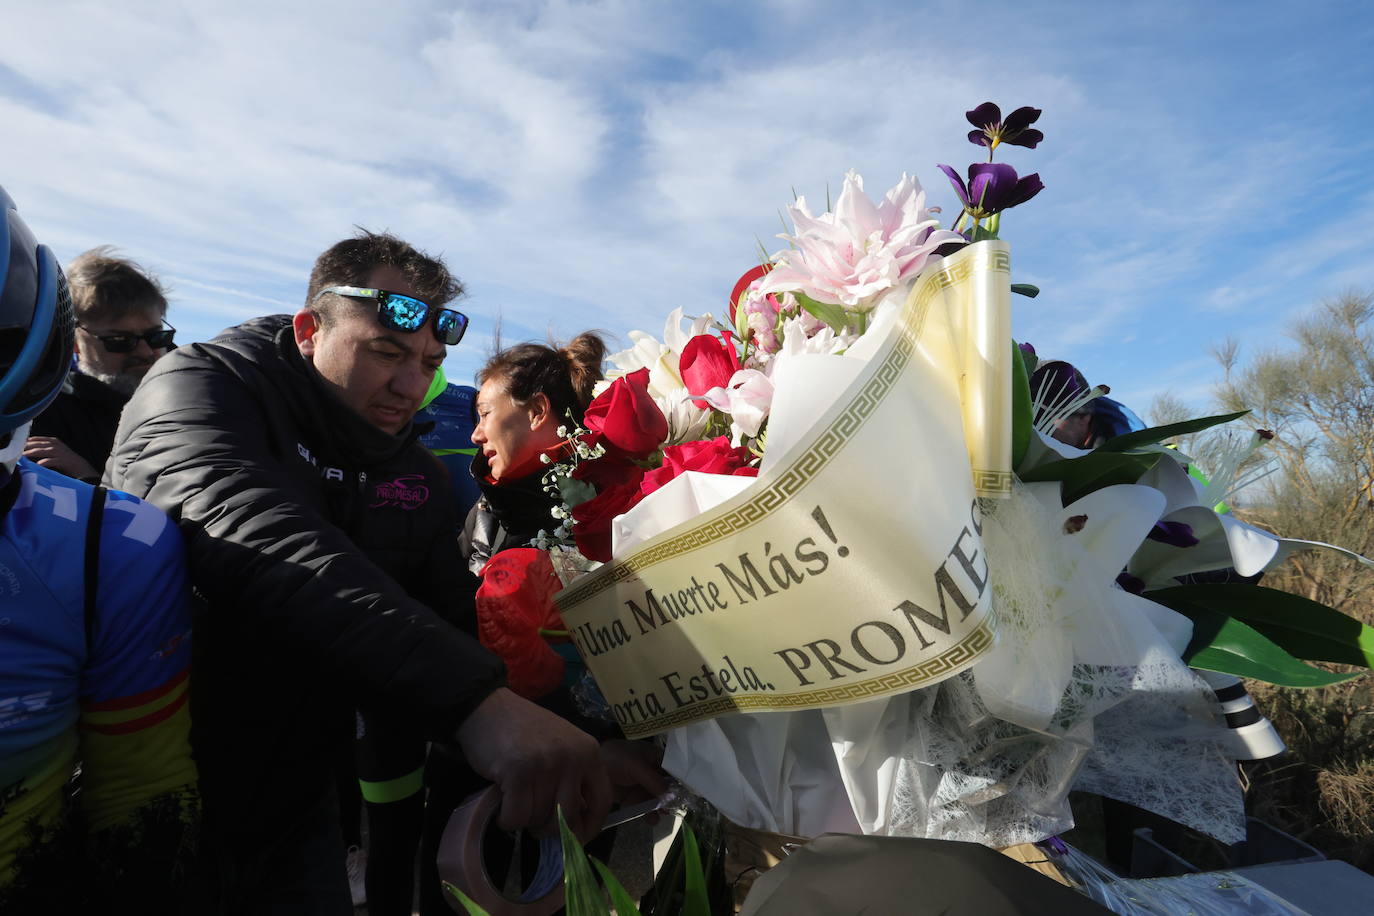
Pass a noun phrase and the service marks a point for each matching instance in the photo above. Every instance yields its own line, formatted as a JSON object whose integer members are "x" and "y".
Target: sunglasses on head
{"x": 124, "y": 342}
{"x": 406, "y": 313}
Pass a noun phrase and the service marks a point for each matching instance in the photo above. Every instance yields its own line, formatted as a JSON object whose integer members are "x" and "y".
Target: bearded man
{"x": 120, "y": 312}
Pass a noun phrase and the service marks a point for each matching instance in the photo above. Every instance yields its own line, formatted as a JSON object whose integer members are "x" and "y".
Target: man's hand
{"x": 538, "y": 761}
{"x": 52, "y": 452}
{"x": 635, "y": 770}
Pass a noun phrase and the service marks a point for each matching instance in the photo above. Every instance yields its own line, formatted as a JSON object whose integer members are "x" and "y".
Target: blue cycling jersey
{"x": 117, "y": 705}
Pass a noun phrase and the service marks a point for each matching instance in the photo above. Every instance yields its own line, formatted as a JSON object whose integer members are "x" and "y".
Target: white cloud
{"x": 593, "y": 164}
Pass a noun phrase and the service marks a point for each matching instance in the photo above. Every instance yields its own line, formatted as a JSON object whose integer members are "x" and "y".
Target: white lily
{"x": 1082, "y": 663}
{"x": 1054, "y": 570}
{"x": 854, "y": 254}
{"x": 686, "y": 421}
{"x": 1224, "y": 541}
{"x": 747, "y": 401}
{"x": 661, "y": 359}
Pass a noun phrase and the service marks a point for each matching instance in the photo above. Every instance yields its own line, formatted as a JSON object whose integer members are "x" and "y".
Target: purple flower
{"x": 992, "y": 187}
{"x": 1055, "y": 381}
{"x": 1016, "y": 130}
{"x": 1130, "y": 583}
{"x": 1055, "y": 845}
{"x": 1175, "y": 534}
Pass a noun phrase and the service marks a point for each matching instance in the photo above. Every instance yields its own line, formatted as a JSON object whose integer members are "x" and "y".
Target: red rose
{"x": 709, "y": 456}
{"x": 514, "y": 602}
{"x": 625, "y": 418}
{"x": 743, "y": 282}
{"x": 706, "y": 363}
{"x": 593, "y": 518}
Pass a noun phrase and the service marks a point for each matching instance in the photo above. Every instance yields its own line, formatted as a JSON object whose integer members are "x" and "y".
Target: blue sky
{"x": 595, "y": 164}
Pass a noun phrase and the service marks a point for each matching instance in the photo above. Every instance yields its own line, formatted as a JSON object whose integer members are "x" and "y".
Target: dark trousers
{"x": 270, "y": 838}
{"x": 289, "y": 862}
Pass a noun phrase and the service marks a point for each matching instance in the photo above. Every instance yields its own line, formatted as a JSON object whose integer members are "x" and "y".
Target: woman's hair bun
{"x": 585, "y": 353}
{"x": 566, "y": 375}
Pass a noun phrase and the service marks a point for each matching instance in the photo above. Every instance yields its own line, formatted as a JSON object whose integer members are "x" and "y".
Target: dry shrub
{"x": 1347, "y": 799}
{"x": 1322, "y": 790}
{"x": 1317, "y": 395}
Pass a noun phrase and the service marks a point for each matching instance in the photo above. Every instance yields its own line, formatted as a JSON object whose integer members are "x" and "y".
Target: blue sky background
{"x": 595, "y": 164}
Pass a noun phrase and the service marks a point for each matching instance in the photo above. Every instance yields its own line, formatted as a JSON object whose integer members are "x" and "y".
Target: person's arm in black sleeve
{"x": 448, "y": 587}
{"x": 253, "y": 542}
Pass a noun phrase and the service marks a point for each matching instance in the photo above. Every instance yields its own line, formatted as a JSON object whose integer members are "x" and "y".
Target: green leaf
{"x": 1020, "y": 406}
{"x": 1298, "y": 625}
{"x": 1029, "y": 290}
{"x": 983, "y": 234}
{"x": 833, "y": 315}
{"x": 581, "y": 893}
{"x": 696, "y": 902}
{"x": 575, "y": 492}
{"x": 1093, "y": 471}
{"x": 664, "y": 898}
{"x": 1159, "y": 433}
{"x": 620, "y": 898}
{"x": 468, "y": 903}
{"x": 1222, "y": 643}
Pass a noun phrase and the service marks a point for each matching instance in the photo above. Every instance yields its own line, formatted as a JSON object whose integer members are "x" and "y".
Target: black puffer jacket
{"x": 324, "y": 550}
{"x": 84, "y": 416}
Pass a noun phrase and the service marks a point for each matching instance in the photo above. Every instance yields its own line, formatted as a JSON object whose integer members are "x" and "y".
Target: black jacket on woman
{"x": 509, "y": 514}
{"x": 324, "y": 551}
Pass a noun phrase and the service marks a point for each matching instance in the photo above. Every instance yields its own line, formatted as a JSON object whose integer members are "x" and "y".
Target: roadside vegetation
{"x": 1316, "y": 482}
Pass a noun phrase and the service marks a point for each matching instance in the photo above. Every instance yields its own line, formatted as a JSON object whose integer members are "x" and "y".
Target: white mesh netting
{"x": 1083, "y": 691}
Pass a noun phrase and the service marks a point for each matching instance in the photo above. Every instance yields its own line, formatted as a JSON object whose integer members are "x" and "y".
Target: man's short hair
{"x": 348, "y": 263}
{"x": 105, "y": 287}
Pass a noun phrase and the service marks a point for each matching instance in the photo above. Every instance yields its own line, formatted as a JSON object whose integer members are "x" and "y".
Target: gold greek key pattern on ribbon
{"x": 991, "y": 483}
{"x": 929, "y": 671}
{"x": 791, "y": 479}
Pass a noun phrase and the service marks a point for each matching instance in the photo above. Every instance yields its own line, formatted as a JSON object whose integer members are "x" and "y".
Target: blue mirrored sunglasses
{"x": 406, "y": 313}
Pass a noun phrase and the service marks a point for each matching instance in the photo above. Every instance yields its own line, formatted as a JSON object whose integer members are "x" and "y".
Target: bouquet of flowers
{"x": 851, "y": 574}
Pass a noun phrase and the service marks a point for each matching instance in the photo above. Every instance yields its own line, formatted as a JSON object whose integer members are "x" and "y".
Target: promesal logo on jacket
{"x": 408, "y": 492}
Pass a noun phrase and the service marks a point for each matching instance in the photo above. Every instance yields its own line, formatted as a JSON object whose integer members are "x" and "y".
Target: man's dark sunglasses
{"x": 406, "y": 313}
{"x": 123, "y": 342}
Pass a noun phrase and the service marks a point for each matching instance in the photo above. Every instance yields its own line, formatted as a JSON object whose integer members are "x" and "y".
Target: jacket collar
{"x": 521, "y": 505}
{"x": 89, "y": 388}
{"x": 336, "y": 422}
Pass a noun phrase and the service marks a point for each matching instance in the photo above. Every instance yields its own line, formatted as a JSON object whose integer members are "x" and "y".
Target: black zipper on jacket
{"x": 360, "y": 503}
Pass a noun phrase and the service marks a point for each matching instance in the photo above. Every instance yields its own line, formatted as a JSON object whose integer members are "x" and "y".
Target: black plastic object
{"x": 1263, "y": 844}
{"x": 1152, "y": 859}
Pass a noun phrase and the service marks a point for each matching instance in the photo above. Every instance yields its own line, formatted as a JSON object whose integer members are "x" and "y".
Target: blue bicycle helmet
{"x": 37, "y": 326}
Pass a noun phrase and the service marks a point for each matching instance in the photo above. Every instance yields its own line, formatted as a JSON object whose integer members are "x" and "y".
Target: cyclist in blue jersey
{"x": 94, "y": 647}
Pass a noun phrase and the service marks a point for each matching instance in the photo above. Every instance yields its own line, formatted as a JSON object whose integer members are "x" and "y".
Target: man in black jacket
{"x": 120, "y": 312}
{"x": 322, "y": 542}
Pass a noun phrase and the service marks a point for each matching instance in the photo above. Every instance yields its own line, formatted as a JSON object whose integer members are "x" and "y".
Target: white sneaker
{"x": 356, "y": 866}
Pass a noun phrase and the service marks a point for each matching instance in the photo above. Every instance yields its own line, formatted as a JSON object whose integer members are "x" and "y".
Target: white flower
{"x": 661, "y": 359}
{"x": 799, "y": 339}
{"x": 853, "y": 255}
{"x": 686, "y": 421}
{"x": 746, "y": 400}
{"x": 1054, "y": 570}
